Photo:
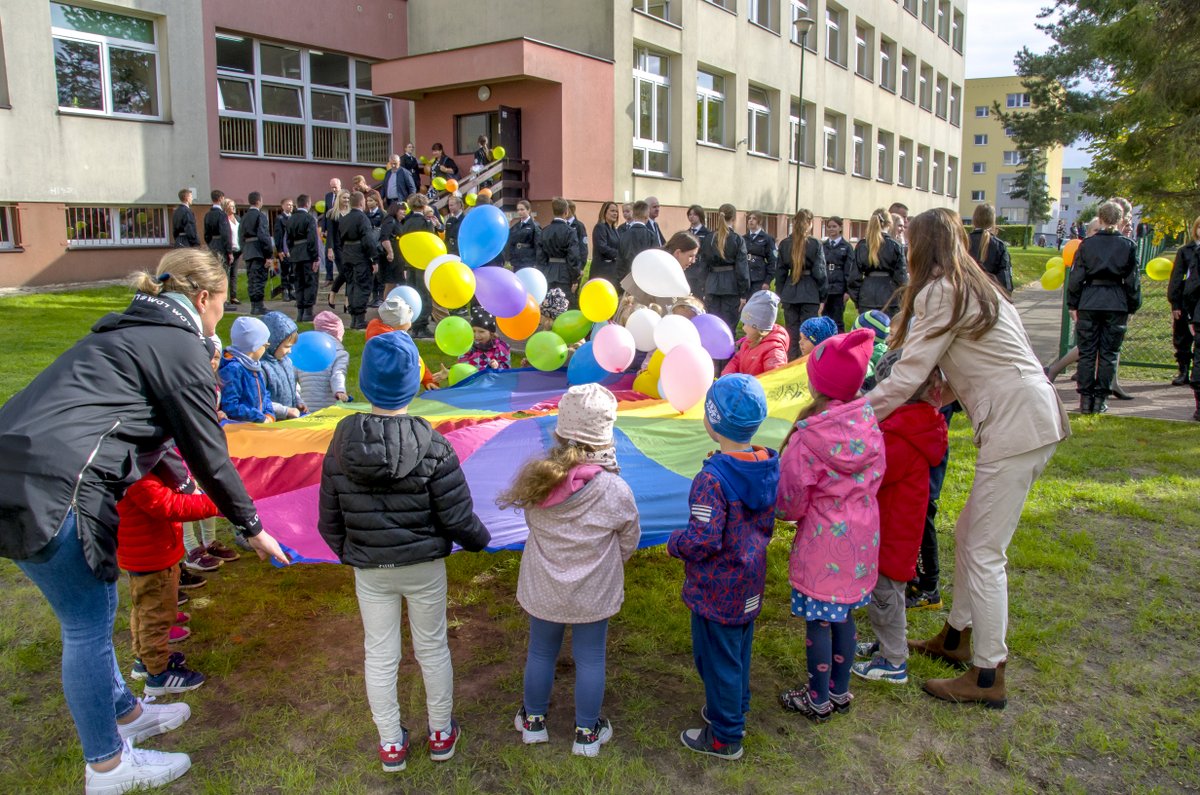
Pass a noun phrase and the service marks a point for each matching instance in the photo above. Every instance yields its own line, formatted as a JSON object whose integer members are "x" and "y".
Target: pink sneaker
{"x": 178, "y": 634}
{"x": 441, "y": 744}
{"x": 182, "y": 617}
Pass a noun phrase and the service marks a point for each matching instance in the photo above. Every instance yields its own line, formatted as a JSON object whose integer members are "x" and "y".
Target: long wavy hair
{"x": 540, "y": 476}
{"x": 801, "y": 227}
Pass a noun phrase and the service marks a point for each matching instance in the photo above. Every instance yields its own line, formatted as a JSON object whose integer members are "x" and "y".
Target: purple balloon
{"x": 715, "y": 336}
{"x": 499, "y": 291}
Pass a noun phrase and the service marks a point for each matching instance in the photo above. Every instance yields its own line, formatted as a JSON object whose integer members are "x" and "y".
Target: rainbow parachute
{"x": 496, "y": 420}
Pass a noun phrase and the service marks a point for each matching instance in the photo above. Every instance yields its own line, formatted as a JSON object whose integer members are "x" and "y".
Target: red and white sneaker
{"x": 394, "y": 756}
{"x": 182, "y": 617}
{"x": 442, "y": 744}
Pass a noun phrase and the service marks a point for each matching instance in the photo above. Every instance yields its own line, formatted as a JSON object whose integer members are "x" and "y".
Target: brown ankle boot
{"x": 952, "y": 645}
{"x": 977, "y": 686}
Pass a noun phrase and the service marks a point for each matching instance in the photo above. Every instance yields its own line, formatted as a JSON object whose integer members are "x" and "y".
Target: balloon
{"x": 470, "y": 199}
{"x": 485, "y": 193}
{"x": 675, "y": 330}
{"x": 482, "y": 235}
{"x": 499, "y": 291}
{"x": 460, "y": 371}
{"x": 320, "y": 207}
{"x": 660, "y": 274}
{"x": 453, "y": 285}
{"x": 141, "y": 218}
{"x": 715, "y": 336}
{"x": 546, "y": 351}
{"x": 423, "y": 160}
{"x": 409, "y": 296}
{"x": 641, "y": 325}
{"x": 435, "y": 263}
{"x": 613, "y": 347}
{"x": 439, "y": 183}
{"x": 424, "y": 369}
{"x": 498, "y": 153}
{"x": 687, "y": 373}
{"x": 452, "y": 185}
{"x": 419, "y": 248}
{"x": 1053, "y": 278}
{"x": 313, "y": 352}
{"x": 647, "y": 384}
{"x": 572, "y": 326}
{"x": 379, "y": 173}
{"x": 535, "y": 283}
{"x": 1068, "y": 252}
{"x": 598, "y": 300}
{"x": 583, "y": 367}
{"x": 524, "y": 324}
{"x": 1054, "y": 262}
{"x": 1159, "y": 269}
{"x": 454, "y": 335}
{"x": 655, "y": 363}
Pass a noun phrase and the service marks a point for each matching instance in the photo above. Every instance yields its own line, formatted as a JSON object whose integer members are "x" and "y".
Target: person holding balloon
{"x": 727, "y": 282}
{"x": 441, "y": 165}
{"x": 524, "y": 238}
{"x": 989, "y": 250}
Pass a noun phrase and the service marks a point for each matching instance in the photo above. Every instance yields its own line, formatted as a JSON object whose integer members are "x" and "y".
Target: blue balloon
{"x": 583, "y": 367}
{"x": 313, "y": 352}
{"x": 409, "y": 296}
{"x": 482, "y": 235}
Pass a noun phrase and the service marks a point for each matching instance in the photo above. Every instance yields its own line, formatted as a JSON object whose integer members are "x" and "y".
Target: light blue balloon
{"x": 313, "y": 352}
{"x": 482, "y": 235}
{"x": 535, "y": 283}
{"x": 409, "y": 296}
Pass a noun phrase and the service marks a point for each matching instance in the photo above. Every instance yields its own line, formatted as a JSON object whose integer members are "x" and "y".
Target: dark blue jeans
{"x": 722, "y": 654}
{"x": 588, "y": 642}
{"x": 86, "y": 608}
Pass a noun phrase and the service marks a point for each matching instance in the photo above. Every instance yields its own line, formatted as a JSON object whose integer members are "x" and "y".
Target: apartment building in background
{"x": 991, "y": 159}
{"x": 1075, "y": 198}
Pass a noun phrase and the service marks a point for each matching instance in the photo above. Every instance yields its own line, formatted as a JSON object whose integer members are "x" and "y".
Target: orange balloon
{"x": 523, "y": 325}
{"x": 485, "y": 193}
{"x": 1068, "y": 252}
{"x": 451, "y": 185}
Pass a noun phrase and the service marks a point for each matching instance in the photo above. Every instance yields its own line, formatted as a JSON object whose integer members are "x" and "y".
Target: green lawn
{"x": 1104, "y": 681}
{"x": 1029, "y": 264}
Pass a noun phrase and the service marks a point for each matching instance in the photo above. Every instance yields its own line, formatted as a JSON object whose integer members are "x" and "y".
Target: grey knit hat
{"x": 761, "y": 310}
{"x": 586, "y": 414}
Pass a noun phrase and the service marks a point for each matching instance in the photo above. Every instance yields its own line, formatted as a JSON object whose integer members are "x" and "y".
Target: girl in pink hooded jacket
{"x": 832, "y": 466}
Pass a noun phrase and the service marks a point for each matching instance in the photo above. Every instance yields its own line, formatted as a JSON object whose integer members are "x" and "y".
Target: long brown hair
{"x": 937, "y": 249}
{"x": 881, "y": 221}
{"x": 540, "y": 476}
{"x": 819, "y": 403}
{"x": 603, "y": 217}
{"x": 801, "y": 226}
{"x": 727, "y": 211}
{"x": 983, "y": 219}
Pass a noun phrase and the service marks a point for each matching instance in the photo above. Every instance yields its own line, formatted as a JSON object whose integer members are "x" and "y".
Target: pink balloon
{"x": 613, "y": 348}
{"x": 687, "y": 373}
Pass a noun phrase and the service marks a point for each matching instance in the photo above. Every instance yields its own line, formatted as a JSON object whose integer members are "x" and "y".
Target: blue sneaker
{"x": 140, "y": 672}
{"x": 878, "y": 669}
{"x": 866, "y": 649}
{"x": 175, "y": 679}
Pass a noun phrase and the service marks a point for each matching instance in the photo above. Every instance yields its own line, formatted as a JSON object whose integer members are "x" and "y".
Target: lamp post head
{"x": 804, "y": 26}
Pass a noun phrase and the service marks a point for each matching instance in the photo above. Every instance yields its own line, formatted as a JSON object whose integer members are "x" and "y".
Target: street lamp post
{"x": 804, "y": 26}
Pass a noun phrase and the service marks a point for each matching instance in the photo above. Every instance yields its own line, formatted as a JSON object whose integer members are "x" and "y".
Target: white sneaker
{"x": 139, "y": 768}
{"x": 155, "y": 719}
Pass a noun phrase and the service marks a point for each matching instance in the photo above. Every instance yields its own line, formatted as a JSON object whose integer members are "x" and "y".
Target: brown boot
{"x": 977, "y": 686}
{"x": 952, "y": 645}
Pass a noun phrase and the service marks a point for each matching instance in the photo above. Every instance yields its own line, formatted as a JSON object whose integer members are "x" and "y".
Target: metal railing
{"x": 114, "y": 227}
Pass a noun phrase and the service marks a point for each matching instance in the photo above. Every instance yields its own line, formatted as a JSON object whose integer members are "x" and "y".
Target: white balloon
{"x": 435, "y": 263}
{"x": 641, "y": 325}
{"x": 660, "y": 274}
{"x": 673, "y": 331}
{"x": 535, "y": 283}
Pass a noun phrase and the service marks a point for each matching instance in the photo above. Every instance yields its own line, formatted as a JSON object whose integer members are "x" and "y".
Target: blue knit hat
{"x": 735, "y": 406}
{"x": 248, "y": 334}
{"x": 877, "y": 321}
{"x": 281, "y": 327}
{"x": 818, "y": 329}
{"x": 391, "y": 370}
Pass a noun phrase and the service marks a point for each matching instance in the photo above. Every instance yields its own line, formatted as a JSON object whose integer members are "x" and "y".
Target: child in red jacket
{"x": 149, "y": 548}
{"x": 914, "y": 437}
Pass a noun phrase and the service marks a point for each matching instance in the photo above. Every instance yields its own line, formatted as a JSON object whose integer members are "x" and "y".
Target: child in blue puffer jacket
{"x": 277, "y": 366}
{"x": 244, "y": 393}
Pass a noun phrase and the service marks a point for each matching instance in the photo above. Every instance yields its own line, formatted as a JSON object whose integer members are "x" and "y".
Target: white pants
{"x": 380, "y": 592}
{"x": 981, "y": 536}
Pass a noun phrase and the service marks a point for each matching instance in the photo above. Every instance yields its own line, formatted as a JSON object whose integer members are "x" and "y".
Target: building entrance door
{"x": 509, "y": 133}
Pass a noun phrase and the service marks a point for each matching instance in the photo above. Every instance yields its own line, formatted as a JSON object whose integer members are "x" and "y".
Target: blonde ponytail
{"x": 881, "y": 221}
{"x": 983, "y": 219}
{"x": 801, "y": 226}
{"x": 183, "y": 270}
{"x": 721, "y": 233}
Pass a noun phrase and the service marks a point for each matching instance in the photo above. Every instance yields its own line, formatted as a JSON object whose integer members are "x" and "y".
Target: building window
{"x": 864, "y": 51}
{"x": 469, "y": 127}
{"x": 800, "y": 11}
{"x": 1008, "y": 131}
{"x": 982, "y": 111}
{"x": 105, "y": 64}
{"x": 4, "y": 100}
{"x": 939, "y": 171}
{"x": 978, "y": 195}
{"x": 941, "y": 96}
{"x": 835, "y": 19}
{"x": 758, "y": 121}
{"x": 981, "y": 139}
{"x": 883, "y": 156}
{"x": 956, "y": 105}
{"x": 922, "y": 166}
{"x": 927, "y": 13}
{"x": 911, "y": 6}
{"x": 765, "y": 13}
{"x": 655, "y": 8}
{"x": 8, "y": 228}
{"x": 1066, "y": 181}
{"x": 952, "y": 177}
{"x": 943, "y": 20}
{"x": 652, "y": 87}
{"x": 904, "y": 162}
{"x": 926, "y": 86}
{"x": 887, "y": 64}
{"x": 956, "y": 32}
{"x": 861, "y": 159}
{"x": 710, "y": 108}
{"x": 908, "y": 76}
{"x": 113, "y": 227}
{"x": 834, "y": 151}
{"x": 800, "y": 127}
{"x": 1012, "y": 158}
{"x": 1007, "y": 186}
{"x": 1017, "y": 101}
{"x": 279, "y": 101}
{"x": 979, "y": 167}
{"x": 728, "y": 5}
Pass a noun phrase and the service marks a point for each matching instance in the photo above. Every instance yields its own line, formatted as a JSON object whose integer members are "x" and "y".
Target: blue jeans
{"x": 587, "y": 650}
{"x": 722, "y": 654}
{"x": 86, "y": 609}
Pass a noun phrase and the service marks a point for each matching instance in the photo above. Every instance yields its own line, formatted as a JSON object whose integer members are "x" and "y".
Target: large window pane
{"x": 372, "y": 112}
{"x": 235, "y": 95}
{"x": 327, "y": 106}
{"x": 235, "y": 53}
{"x": 329, "y": 69}
{"x": 645, "y": 117}
{"x": 101, "y": 23}
{"x": 77, "y": 68}
{"x": 134, "y": 77}
{"x": 281, "y": 101}
{"x": 661, "y": 111}
{"x": 280, "y": 61}
{"x": 362, "y": 75}
{"x": 658, "y": 162}
{"x": 716, "y": 126}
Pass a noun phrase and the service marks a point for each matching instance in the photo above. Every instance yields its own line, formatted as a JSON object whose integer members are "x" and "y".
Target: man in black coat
{"x": 281, "y": 249}
{"x": 454, "y": 219}
{"x": 652, "y": 208}
{"x": 183, "y": 222}
{"x": 636, "y": 238}
{"x": 257, "y": 247}
{"x": 558, "y": 252}
{"x": 838, "y": 254}
{"x": 217, "y": 235}
{"x": 304, "y": 247}
{"x": 410, "y": 163}
{"x": 358, "y": 248}
{"x": 397, "y": 184}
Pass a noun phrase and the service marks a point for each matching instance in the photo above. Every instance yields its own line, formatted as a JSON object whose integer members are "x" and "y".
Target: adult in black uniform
{"x": 988, "y": 250}
{"x": 375, "y": 215}
{"x": 636, "y": 238}
{"x": 417, "y": 221}
{"x": 727, "y": 276}
{"x": 358, "y": 258}
{"x": 389, "y": 241}
{"x": 838, "y": 254}
{"x": 257, "y": 246}
{"x": 216, "y": 230}
{"x": 454, "y": 219}
{"x": 580, "y": 232}
{"x": 105, "y": 413}
{"x": 1104, "y": 289}
{"x": 183, "y": 222}
{"x": 607, "y": 243}
{"x": 524, "y": 238}
{"x": 1183, "y": 292}
{"x": 304, "y": 246}
{"x": 801, "y": 284}
{"x": 282, "y": 251}
{"x": 558, "y": 252}
{"x": 762, "y": 258}
{"x": 878, "y": 269}
{"x": 696, "y": 276}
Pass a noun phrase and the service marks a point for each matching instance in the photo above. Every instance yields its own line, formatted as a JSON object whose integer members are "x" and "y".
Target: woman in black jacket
{"x": 762, "y": 258}
{"x": 524, "y": 238}
{"x": 989, "y": 251}
{"x": 101, "y": 416}
{"x": 801, "y": 285}
{"x": 727, "y": 275}
{"x": 607, "y": 244}
{"x": 878, "y": 269}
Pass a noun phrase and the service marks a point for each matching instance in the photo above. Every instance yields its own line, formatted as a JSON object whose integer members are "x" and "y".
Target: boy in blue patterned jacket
{"x": 724, "y": 549}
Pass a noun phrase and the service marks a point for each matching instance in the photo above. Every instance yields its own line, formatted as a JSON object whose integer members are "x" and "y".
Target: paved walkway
{"x": 1041, "y": 312}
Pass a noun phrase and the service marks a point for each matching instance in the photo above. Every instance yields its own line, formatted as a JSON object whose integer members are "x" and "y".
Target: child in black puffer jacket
{"x": 393, "y": 502}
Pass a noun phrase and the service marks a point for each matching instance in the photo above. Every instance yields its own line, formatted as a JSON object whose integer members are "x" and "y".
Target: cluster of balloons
{"x": 1056, "y": 267}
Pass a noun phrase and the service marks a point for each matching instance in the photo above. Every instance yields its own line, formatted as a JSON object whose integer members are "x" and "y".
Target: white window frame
{"x": 111, "y": 217}
{"x": 979, "y": 167}
{"x": 105, "y": 44}
{"x": 755, "y": 111}
{"x": 704, "y": 96}
{"x": 801, "y": 150}
{"x": 864, "y": 50}
{"x": 952, "y": 177}
{"x": 645, "y": 5}
{"x": 887, "y": 64}
{"x": 1020, "y": 100}
{"x": 835, "y": 21}
{"x": 884, "y": 142}
{"x": 982, "y": 111}
{"x": 943, "y": 20}
{"x": 860, "y": 161}
{"x": 921, "y": 166}
{"x": 956, "y": 105}
{"x": 941, "y": 92}
{"x": 979, "y": 195}
{"x": 1012, "y": 157}
{"x": 927, "y": 13}
{"x": 937, "y": 183}
{"x": 957, "y": 24}
{"x": 833, "y": 135}
{"x": 904, "y": 150}
{"x": 653, "y": 144}
{"x": 981, "y": 139}
{"x": 756, "y": 7}
{"x": 800, "y": 9}
{"x": 925, "y": 82}
{"x": 8, "y": 228}
{"x": 908, "y": 77}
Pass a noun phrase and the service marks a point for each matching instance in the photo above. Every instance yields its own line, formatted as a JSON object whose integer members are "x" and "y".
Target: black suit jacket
{"x": 581, "y": 232}
{"x": 302, "y": 237}
{"x": 217, "y": 233}
{"x": 280, "y": 238}
{"x": 183, "y": 227}
{"x": 256, "y": 237}
{"x": 653, "y": 226}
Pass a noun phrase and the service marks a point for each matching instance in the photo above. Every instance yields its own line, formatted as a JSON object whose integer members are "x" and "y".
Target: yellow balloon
{"x": 439, "y": 183}
{"x": 1053, "y": 278}
{"x": 1159, "y": 269}
{"x": 647, "y": 384}
{"x": 470, "y": 199}
{"x": 452, "y": 285}
{"x": 419, "y": 248}
{"x": 498, "y": 153}
{"x": 320, "y": 207}
{"x": 1055, "y": 262}
{"x": 379, "y": 173}
{"x": 598, "y": 300}
{"x": 655, "y": 365}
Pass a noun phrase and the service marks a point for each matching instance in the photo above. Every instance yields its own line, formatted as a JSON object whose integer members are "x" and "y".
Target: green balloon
{"x": 454, "y": 336}
{"x": 460, "y": 371}
{"x": 572, "y": 326}
{"x": 546, "y": 351}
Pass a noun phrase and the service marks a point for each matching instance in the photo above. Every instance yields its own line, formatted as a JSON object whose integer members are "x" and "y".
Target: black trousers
{"x": 1099, "y": 335}
{"x": 415, "y": 279}
{"x": 725, "y": 307}
{"x": 359, "y": 281}
{"x": 306, "y": 275}
{"x": 793, "y": 316}
{"x": 835, "y": 308}
{"x": 285, "y": 273}
{"x": 1184, "y": 341}
{"x": 256, "y": 279}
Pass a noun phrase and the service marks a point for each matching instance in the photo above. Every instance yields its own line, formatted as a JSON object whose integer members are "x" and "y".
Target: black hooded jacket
{"x": 393, "y": 494}
{"x": 101, "y": 416}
